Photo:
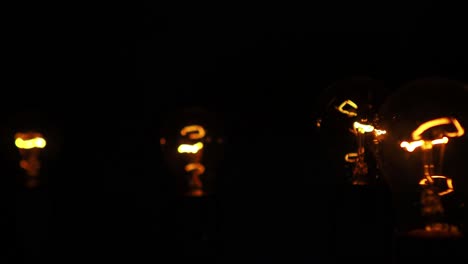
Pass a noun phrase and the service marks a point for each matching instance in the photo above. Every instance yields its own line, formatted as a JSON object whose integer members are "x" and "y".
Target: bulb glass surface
{"x": 424, "y": 155}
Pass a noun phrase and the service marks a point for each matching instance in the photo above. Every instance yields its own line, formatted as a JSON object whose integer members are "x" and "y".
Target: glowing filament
{"x": 346, "y": 112}
{"x": 193, "y": 131}
{"x": 379, "y": 132}
{"x": 417, "y": 134}
{"x": 187, "y": 148}
{"x": 198, "y": 167}
{"x": 361, "y": 128}
{"x": 37, "y": 142}
{"x": 448, "y": 181}
{"x": 351, "y": 157}
{"x": 411, "y": 146}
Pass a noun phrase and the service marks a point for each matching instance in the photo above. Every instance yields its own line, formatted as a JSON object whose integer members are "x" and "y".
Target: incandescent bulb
{"x": 349, "y": 130}
{"x": 191, "y": 146}
{"x": 29, "y": 145}
{"x": 424, "y": 156}
{"x": 349, "y": 136}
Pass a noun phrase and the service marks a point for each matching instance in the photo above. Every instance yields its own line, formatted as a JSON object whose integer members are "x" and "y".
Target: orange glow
{"x": 198, "y": 167}
{"x": 30, "y": 145}
{"x": 379, "y": 132}
{"x": 318, "y": 122}
{"x": 347, "y": 112}
{"x": 351, "y": 157}
{"x": 361, "y": 128}
{"x": 448, "y": 181}
{"x": 411, "y": 146}
{"x": 36, "y": 142}
{"x": 187, "y": 148}
{"x": 195, "y": 184}
{"x": 193, "y": 131}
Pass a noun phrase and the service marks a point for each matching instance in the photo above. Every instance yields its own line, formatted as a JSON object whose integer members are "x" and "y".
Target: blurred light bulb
{"x": 350, "y": 135}
{"x": 187, "y": 148}
{"x": 349, "y": 130}
{"x": 30, "y": 145}
{"x": 424, "y": 156}
{"x": 190, "y": 151}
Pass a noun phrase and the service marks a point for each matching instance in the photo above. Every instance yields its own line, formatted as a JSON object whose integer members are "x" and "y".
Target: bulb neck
{"x": 433, "y": 210}
{"x": 431, "y": 203}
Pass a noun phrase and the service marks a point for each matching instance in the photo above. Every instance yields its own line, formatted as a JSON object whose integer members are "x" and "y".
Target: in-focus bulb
{"x": 424, "y": 156}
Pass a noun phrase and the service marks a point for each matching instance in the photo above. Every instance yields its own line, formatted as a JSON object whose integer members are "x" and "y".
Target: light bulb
{"x": 191, "y": 146}
{"x": 349, "y": 129}
{"x": 30, "y": 145}
{"x": 424, "y": 156}
{"x": 349, "y": 136}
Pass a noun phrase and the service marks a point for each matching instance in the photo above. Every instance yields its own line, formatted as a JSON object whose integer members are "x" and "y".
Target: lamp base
{"x": 447, "y": 245}
{"x": 195, "y": 193}
{"x": 437, "y": 230}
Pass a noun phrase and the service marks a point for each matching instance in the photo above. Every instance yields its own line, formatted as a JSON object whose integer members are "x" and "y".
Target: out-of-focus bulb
{"x": 424, "y": 156}
{"x": 30, "y": 145}
{"x": 191, "y": 151}
{"x": 349, "y": 128}
{"x": 349, "y": 140}
{"x": 367, "y": 138}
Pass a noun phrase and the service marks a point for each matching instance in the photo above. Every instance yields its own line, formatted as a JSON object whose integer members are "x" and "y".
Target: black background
{"x": 100, "y": 80}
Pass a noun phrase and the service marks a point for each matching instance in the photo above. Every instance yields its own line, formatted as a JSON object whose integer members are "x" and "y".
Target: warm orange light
{"x": 193, "y": 131}
{"x": 351, "y": 157}
{"x": 29, "y": 145}
{"x": 411, "y": 146}
{"x": 318, "y": 122}
{"x": 195, "y": 184}
{"x": 417, "y": 134}
{"x": 198, "y": 167}
{"x": 448, "y": 181}
{"x": 379, "y": 132}
{"x": 347, "y": 112}
{"x": 187, "y": 148}
{"x": 37, "y": 142}
{"x": 362, "y": 128}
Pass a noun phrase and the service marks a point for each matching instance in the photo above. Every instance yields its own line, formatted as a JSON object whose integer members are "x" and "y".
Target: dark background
{"x": 100, "y": 81}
